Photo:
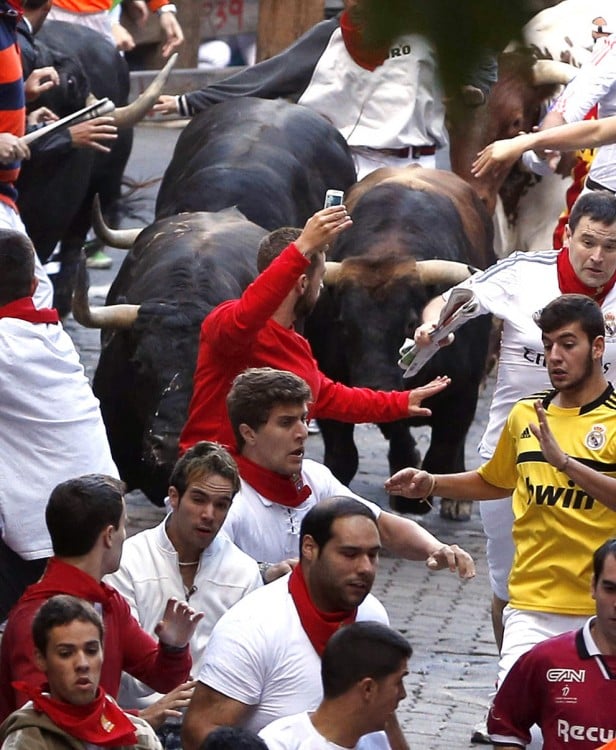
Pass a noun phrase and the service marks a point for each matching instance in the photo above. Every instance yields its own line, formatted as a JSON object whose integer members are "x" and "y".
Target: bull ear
{"x": 332, "y": 272}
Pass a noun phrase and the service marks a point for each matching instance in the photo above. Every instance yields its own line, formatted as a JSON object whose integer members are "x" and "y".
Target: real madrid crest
{"x": 609, "y": 320}
{"x": 595, "y": 439}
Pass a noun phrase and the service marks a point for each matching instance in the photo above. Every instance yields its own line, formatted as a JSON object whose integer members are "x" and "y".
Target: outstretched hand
{"x": 453, "y": 557}
{"x": 166, "y": 105}
{"x": 549, "y": 447}
{"x": 497, "y": 158}
{"x": 178, "y": 624}
{"x": 410, "y": 482}
{"x": 169, "y": 706}
{"x": 417, "y": 395}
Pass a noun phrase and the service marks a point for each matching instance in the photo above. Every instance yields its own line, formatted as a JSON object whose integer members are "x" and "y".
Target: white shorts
{"x": 497, "y": 520}
{"x": 525, "y": 628}
{"x": 10, "y": 219}
{"x": 367, "y": 161}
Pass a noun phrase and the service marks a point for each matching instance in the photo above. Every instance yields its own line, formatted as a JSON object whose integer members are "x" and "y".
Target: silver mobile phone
{"x": 333, "y": 198}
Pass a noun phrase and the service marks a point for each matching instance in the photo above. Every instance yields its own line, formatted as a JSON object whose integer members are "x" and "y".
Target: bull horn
{"x": 446, "y": 272}
{"x": 112, "y": 316}
{"x": 120, "y": 238}
{"x": 332, "y": 271}
{"x": 126, "y": 117}
{"x": 552, "y": 71}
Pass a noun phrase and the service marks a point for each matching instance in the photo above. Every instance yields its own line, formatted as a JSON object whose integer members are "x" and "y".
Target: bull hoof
{"x": 456, "y": 510}
{"x": 404, "y": 505}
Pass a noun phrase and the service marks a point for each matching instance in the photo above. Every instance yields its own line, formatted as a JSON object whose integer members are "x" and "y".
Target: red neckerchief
{"x": 274, "y": 487}
{"x": 24, "y": 309}
{"x": 318, "y": 626}
{"x": 61, "y": 578}
{"x": 365, "y": 56}
{"x": 569, "y": 283}
{"x": 101, "y": 722}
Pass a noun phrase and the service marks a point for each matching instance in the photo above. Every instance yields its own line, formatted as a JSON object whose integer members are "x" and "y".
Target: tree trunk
{"x": 281, "y": 22}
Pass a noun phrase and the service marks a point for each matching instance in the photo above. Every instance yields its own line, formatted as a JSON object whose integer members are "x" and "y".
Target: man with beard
{"x": 263, "y": 659}
{"x": 561, "y": 473}
{"x": 258, "y": 330}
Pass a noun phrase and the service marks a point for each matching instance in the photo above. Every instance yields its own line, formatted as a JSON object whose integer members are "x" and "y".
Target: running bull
{"x": 272, "y": 159}
{"x": 373, "y": 299}
{"x": 177, "y": 271}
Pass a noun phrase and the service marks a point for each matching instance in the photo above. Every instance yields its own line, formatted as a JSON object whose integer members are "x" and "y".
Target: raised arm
{"x": 595, "y": 483}
{"x": 585, "y": 134}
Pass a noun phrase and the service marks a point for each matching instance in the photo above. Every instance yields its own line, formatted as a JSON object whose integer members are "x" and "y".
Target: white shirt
{"x": 259, "y": 655}
{"x": 149, "y": 575}
{"x": 398, "y": 104}
{"x": 296, "y": 733}
{"x": 513, "y": 290}
{"x": 51, "y": 429}
{"x": 268, "y": 531}
{"x": 595, "y": 83}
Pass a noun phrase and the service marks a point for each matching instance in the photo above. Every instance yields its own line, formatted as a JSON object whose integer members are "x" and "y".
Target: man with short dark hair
{"x": 72, "y": 710}
{"x": 563, "y": 495}
{"x": 186, "y": 558}
{"x": 268, "y": 410}
{"x": 50, "y": 422}
{"x": 86, "y": 518}
{"x": 263, "y": 659}
{"x": 362, "y": 671}
{"x": 258, "y": 330}
{"x": 566, "y": 685}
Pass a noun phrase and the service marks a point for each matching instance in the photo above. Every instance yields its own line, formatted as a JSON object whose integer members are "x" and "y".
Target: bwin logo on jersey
{"x": 566, "y": 675}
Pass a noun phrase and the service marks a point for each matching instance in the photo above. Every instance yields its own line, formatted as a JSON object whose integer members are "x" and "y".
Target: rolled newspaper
{"x": 97, "y": 109}
{"x": 460, "y": 307}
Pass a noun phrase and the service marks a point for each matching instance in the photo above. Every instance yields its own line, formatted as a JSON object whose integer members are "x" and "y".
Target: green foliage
{"x": 461, "y": 30}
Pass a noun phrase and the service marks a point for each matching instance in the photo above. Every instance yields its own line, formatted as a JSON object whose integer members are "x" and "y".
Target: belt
{"x": 403, "y": 153}
{"x": 592, "y": 185}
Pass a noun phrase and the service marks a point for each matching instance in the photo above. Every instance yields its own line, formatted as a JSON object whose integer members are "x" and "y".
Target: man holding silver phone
{"x": 258, "y": 330}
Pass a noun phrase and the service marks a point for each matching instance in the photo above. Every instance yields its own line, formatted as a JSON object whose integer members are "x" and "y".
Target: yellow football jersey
{"x": 557, "y": 525}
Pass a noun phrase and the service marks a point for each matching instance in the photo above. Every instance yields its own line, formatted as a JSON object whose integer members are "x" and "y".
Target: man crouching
{"x": 71, "y": 710}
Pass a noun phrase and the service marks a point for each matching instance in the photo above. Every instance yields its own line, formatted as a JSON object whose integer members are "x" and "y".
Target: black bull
{"x": 361, "y": 320}
{"x": 271, "y": 159}
{"x": 178, "y": 270}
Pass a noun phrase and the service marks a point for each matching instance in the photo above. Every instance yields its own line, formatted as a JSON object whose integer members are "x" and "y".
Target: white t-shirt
{"x": 595, "y": 83}
{"x": 296, "y": 733}
{"x": 398, "y": 104}
{"x": 268, "y": 531}
{"x": 51, "y": 429}
{"x": 513, "y": 290}
{"x": 149, "y": 575}
{"x": 260, "y": 655}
